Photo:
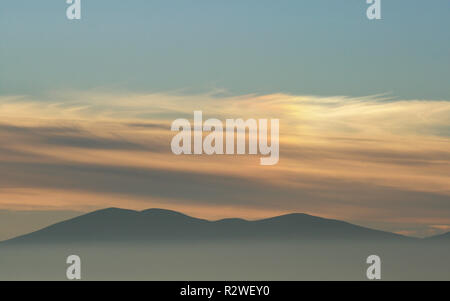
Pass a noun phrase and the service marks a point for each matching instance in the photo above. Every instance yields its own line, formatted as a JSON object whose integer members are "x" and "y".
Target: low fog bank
{"x": 310, "y": 260}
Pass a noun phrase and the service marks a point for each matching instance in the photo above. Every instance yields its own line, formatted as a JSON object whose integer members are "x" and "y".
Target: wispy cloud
{"x": 369, "y": 159}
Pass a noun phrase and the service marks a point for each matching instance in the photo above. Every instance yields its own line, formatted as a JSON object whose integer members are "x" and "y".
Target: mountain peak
{"x": 162, "y": 212}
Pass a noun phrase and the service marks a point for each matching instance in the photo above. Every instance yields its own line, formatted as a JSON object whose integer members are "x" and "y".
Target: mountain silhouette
{"x": 440, "y": 238}
{"x": 156, "y": 225}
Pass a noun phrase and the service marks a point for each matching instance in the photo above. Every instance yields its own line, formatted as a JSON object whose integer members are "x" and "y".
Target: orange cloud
{"x": 340, "y": 157}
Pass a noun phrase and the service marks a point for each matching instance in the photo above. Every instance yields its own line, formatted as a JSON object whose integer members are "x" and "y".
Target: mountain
{"x": 156, "y": 225}
{"x": 440, "y": 238}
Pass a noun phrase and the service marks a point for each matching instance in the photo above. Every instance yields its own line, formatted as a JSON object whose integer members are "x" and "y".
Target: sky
{"x": 364, "y": 109}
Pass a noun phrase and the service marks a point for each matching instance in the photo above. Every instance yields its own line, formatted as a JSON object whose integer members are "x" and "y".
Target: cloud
{"x": 369, "y": 159}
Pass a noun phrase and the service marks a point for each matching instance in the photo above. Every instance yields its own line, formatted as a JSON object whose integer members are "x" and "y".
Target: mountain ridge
{"x": 156, "y": 224}
{"x": 439, "y": 237}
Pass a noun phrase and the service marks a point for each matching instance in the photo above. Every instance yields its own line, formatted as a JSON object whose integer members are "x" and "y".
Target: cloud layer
{"x": 373, "y": 161}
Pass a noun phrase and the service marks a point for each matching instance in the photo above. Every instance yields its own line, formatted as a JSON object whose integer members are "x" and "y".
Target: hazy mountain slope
{"x": 120, "y": 225}
{"x": 440, "y": 238}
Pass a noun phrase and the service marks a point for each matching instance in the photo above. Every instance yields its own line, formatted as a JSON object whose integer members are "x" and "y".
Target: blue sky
{"x": 86, "y": 108}
{"x": 321, "y": 47}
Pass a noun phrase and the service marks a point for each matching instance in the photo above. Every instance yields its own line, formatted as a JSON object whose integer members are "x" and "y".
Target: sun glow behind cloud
{"x": 372, "y": 160}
